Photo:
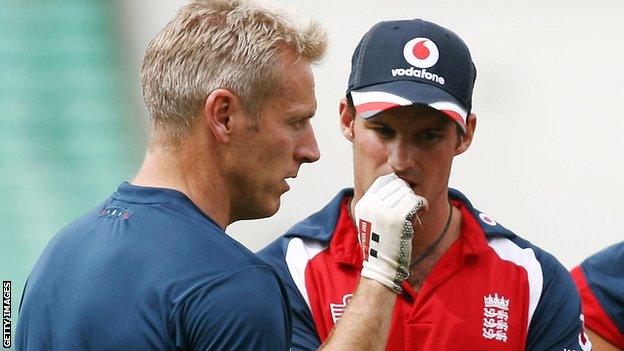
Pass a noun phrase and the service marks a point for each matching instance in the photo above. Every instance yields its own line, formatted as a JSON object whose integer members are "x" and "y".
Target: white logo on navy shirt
{"x": 583, "y": 338}
{"x": 495, "y": 317}
{"x": 115, "y": 212}
{"x": 337, "y": 309}
{"x": 487, "y": 219}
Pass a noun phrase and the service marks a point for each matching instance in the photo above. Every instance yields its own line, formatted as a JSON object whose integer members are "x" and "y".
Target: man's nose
{"x": 401, "y": 155}
{"x": 308, "y": 151}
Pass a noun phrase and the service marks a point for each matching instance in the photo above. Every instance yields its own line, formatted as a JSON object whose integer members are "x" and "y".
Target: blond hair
{"x": 211, "y": 44}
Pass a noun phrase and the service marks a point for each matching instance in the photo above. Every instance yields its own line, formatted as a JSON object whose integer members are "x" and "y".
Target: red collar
{"x": 344, "y": 247}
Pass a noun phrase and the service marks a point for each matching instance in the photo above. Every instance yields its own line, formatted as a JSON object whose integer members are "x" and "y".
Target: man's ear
{"x": 466, "y": 138}
{"x": 218, "y": 113}
{"x": 347, "y": 119}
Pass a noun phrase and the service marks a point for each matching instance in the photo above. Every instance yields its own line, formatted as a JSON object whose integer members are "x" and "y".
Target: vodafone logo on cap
{"x": 421, "y": 52}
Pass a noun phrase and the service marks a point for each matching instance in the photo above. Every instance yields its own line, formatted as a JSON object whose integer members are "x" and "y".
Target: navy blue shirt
{"x": 147, "y": 270}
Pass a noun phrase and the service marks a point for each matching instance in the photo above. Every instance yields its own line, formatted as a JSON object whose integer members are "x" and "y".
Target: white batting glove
{"x": 384, "y": 220}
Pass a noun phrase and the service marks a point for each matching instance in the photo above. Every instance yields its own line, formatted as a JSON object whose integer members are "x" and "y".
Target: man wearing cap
{"x": 473, "y": 284}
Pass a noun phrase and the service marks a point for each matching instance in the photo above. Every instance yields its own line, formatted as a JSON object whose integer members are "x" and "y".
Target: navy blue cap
{"x": 400, "y": 63}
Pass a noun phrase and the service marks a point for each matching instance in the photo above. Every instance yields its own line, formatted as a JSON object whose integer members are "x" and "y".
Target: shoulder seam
{"x": 296, "y": 269}
{"x": 530, "y": 263}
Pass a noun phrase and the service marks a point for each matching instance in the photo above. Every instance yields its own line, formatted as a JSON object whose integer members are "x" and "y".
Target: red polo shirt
{"x": 491, "y": 290}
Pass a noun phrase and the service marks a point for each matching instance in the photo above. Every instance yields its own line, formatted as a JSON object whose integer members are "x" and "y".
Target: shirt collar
{"x": 334, "y": 224}
{"x": 345, "y": 248}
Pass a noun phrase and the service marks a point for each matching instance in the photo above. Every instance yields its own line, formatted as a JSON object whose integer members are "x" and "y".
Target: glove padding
{"x": 384, "y": 220}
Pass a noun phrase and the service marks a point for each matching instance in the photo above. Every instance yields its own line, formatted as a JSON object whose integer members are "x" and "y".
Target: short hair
{"x": 211, "y": 44}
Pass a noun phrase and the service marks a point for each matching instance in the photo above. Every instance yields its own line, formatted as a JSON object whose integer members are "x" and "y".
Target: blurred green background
{"x": 68, "y": 132}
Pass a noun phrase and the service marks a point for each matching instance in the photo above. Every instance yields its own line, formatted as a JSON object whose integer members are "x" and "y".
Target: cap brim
{"x": 371, "y": 100}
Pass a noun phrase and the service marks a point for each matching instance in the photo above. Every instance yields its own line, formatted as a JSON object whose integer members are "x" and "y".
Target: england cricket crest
{"x": 337, "y": 309}
{"x": 495, "y": 317}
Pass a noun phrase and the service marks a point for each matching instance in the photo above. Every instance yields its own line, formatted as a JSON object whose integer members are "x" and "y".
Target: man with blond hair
{"x": 230, "y": 92}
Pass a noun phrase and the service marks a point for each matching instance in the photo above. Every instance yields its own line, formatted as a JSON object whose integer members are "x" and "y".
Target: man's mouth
{"x": 287, "y": 179}
{"x": 412, "y": 184}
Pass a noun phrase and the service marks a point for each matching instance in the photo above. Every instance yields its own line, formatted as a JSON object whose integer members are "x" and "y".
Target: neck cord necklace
{"x": 435, "y": 243}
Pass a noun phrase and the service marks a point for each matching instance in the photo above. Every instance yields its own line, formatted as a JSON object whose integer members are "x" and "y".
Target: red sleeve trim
{"x": 595, "y": 317}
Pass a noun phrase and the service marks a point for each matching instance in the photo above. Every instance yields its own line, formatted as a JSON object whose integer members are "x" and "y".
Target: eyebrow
{"x": 300, "y": 116}
{"x": 437, "y": 125}
{"x": 368, "y": 121}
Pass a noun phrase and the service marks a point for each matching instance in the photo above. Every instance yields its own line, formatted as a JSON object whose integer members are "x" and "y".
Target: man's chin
{"x": 266, "y": 209}
{"x": 273, "y": 210}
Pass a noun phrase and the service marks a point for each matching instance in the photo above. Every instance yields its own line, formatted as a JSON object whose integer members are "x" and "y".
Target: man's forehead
{"x": 296, "y": 93}
{"x": 301, "y": 103}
